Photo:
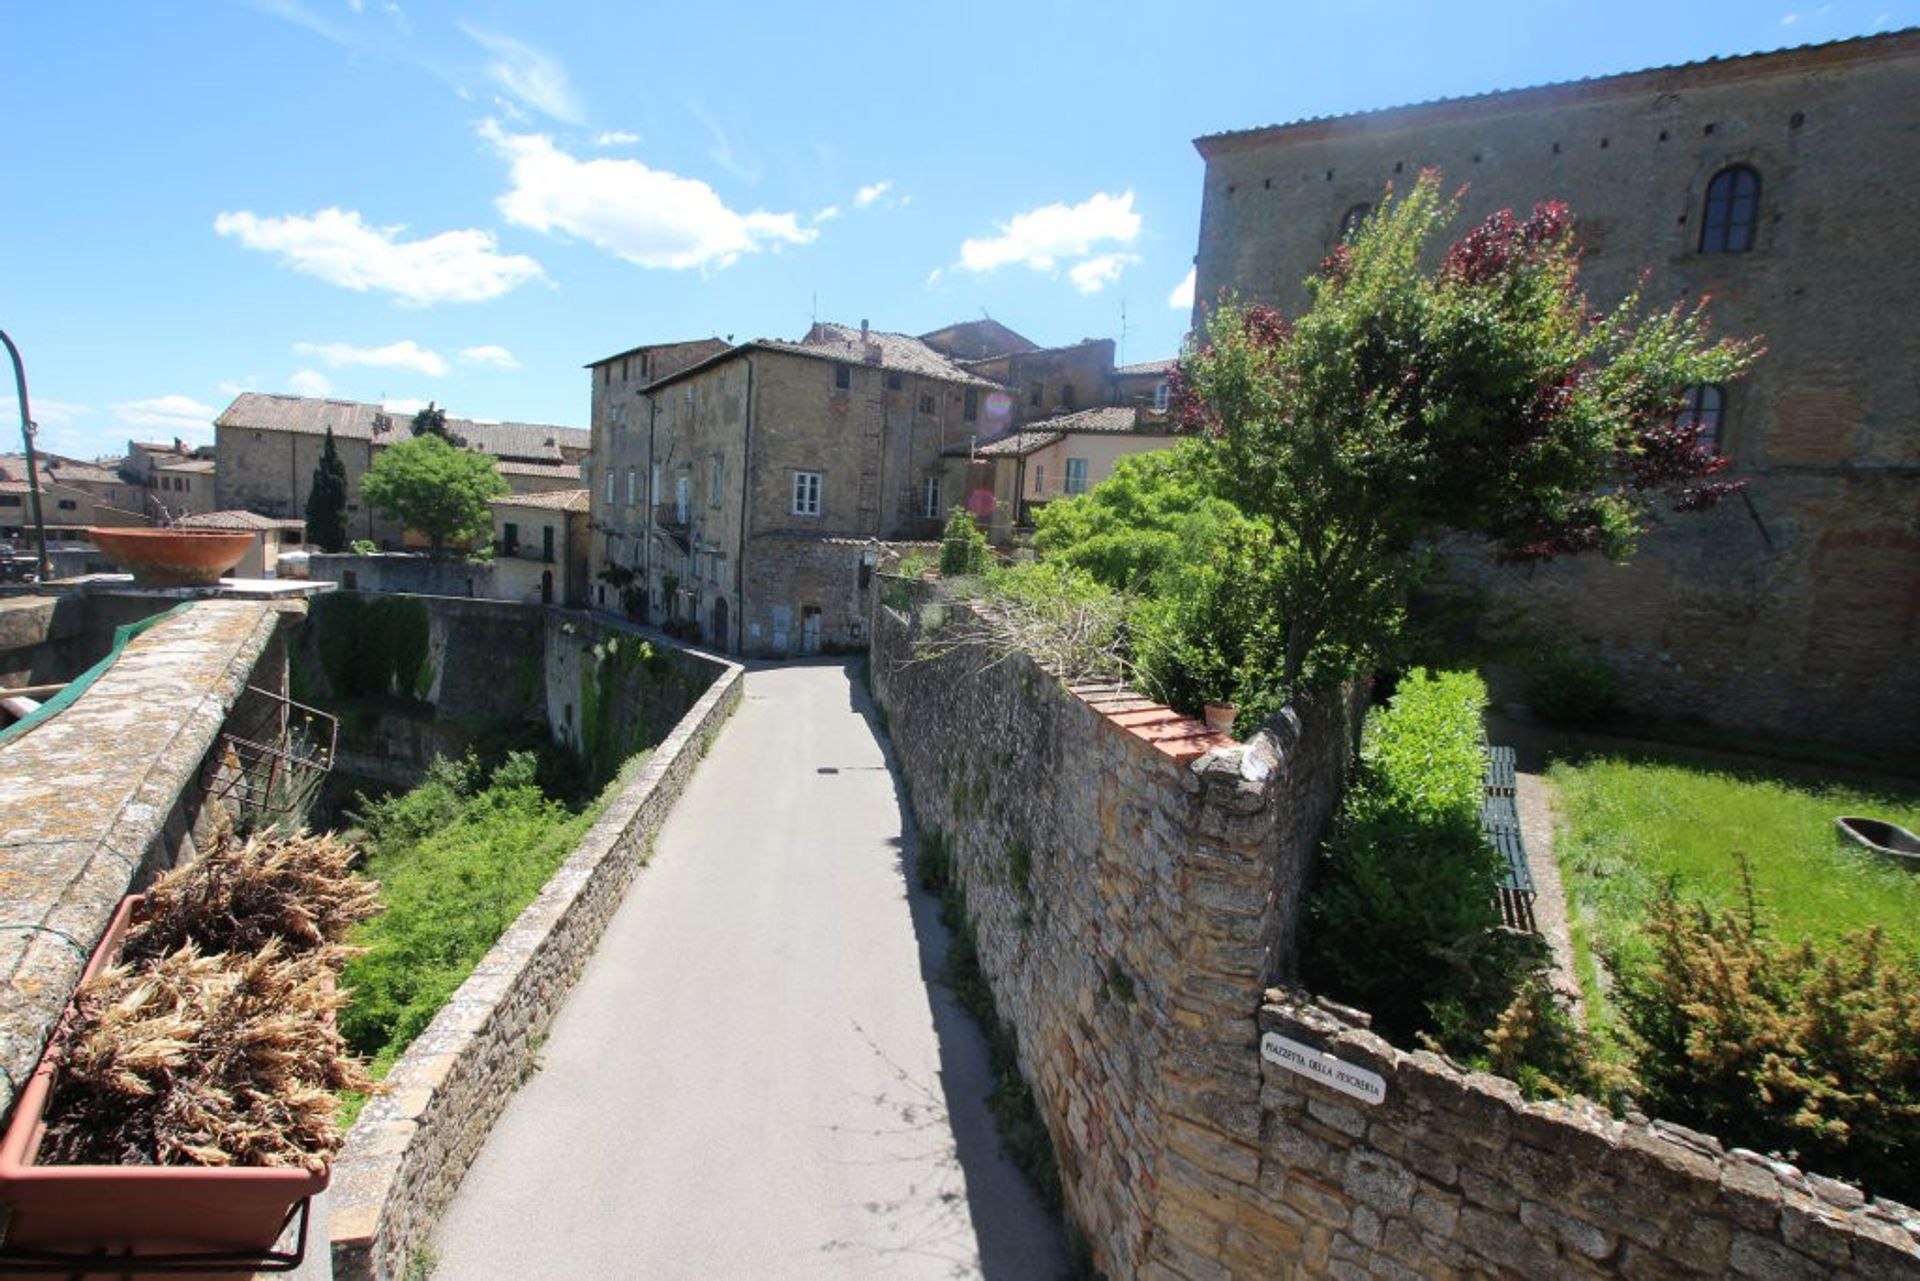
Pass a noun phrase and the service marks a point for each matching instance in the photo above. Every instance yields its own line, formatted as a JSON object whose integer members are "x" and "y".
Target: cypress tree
{"x": 327, "y": 500}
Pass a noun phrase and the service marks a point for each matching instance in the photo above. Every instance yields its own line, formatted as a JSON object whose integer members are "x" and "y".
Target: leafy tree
{"x": 1478, "y": 397}
{"x": 428, "y": 485}
{"x": 963, "y": 548}
{"x": 327, "y": 499}
{"x": 1155, "y": 514}
{"x": 432, "y": 421}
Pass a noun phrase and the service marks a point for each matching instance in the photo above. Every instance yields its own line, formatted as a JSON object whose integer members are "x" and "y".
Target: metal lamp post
{"x": 26, "y": 435}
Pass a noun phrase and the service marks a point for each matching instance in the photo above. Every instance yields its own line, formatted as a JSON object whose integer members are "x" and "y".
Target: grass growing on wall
{"x": 1023, "y": 1135}
{"x": 457, "y": 858}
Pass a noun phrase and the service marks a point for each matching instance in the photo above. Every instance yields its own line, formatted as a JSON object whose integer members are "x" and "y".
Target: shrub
{"x": 1404, "y": 908}
{"x": 1565, "y": 687}
{"x": 456, "y": 862}
{"x": 1809, "y": 1051}
{"x": 963, "y": 548}
{"x": 1209, "y": 633}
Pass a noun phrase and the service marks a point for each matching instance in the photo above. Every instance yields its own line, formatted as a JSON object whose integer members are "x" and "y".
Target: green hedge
{"x": 1404, "y": 904}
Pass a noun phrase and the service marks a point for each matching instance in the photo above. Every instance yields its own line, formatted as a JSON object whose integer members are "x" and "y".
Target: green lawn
{"x": 1626, "y": 826}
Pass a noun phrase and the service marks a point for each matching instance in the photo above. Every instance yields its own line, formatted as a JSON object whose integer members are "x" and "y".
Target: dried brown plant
{"x": 193, "y": 1059}
{"x": 238, "y": 896}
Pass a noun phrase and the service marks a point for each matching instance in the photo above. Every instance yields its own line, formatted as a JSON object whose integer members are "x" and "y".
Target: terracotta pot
{"x": 137, "y": 1215}
{"x": 1220, "y": 717}
{"x": 173, "y": 557}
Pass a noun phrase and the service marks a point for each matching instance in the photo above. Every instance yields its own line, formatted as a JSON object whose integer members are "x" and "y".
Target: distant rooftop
{"x": 351, "y": 420}
{"x": 559, "y": 500}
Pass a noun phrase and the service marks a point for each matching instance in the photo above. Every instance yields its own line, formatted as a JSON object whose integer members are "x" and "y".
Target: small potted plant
{"x": 1220, "y": 717}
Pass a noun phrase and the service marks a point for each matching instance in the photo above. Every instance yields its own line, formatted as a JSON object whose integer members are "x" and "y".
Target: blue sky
{"x": 408, "y": 200}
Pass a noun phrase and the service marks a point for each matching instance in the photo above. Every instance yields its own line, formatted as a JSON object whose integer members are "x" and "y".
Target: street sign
{"x": 1320, "y": 1066}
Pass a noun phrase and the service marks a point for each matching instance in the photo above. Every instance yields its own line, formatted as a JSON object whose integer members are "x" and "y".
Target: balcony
{"x": 671, "y": 517}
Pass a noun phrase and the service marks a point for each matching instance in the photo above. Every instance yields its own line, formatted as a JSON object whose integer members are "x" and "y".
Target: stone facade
{"x": 1778, "y": 611}
{"x": 767, "y": 455}
{"x": 404, "y": 1158}
{"x": 540, "y": 548}
{"x": 743, "y": 487}
{"x": 1135, "y": 885}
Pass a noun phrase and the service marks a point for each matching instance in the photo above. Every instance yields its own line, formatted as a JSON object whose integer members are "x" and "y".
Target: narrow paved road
{"x": 757, "y": 1076}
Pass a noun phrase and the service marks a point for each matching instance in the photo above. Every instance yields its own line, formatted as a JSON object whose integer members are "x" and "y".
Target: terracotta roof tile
{"x": 559, "y": 500}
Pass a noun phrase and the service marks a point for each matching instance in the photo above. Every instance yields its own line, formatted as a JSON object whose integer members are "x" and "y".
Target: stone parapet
{"x": 405, "y": 1157}
{"x": 1453, "y": 1173}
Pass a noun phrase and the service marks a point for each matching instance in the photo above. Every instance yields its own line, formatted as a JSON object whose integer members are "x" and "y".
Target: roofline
{"x": 803, "y": 353}
{"x": 1884, "y": 46}
{"x": 648, "y": 346}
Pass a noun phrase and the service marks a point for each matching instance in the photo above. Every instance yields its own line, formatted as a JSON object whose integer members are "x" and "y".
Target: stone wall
{"x": 1134, "y": 886}
{"x": 405, "y": 1157}
{"x": 1134, "y": 882}
{"x": 1453, "y": 1173}
{"x": 497, "y": 666}
{"x": 418, "y": 575}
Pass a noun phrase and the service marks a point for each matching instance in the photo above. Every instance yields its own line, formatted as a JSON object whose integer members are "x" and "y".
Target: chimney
{"x": 863, "y": 332}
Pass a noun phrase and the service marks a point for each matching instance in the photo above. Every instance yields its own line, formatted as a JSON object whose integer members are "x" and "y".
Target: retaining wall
{"x": 405, "y": 1157}
{"x": 1136, "y": 885}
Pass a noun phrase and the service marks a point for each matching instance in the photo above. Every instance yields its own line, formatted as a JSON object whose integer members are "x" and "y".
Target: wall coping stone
{"x": 400, "y": 1167}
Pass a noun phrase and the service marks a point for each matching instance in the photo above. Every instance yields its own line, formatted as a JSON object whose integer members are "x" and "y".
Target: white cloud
{"x": 615, "y": 138}
{"x": 826, "y": 215}
{"x": 310, "y": 382}
{"x": 337, "y": 246}
{"x": 405, "y": 354}
{"x": 872, "y": 192}
{"x": 1041, "y": 237}
{"x": 649, "y": 217}
{"x": 490, "y": 354}
{"x": 1181, "y": 299}
{"x": 1787, "y": 20}
{"x": 403, "y": 405}
{"x": 179, "y": 415}
{"x": 532, "y": 75}
{"x": 1095, "y": 274}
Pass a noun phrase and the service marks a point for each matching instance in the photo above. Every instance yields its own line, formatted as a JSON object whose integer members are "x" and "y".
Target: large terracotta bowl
{"x": 173, "y": 557}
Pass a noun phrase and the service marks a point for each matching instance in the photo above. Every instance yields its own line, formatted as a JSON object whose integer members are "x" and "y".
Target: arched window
{"x": 1702, "y": 410}
{"x": 1350, "y": 220}
{"x": 1732, "y": 212}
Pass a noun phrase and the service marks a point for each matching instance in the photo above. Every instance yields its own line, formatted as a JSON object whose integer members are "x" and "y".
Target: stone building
{"x": 1005, "y": 481}
{"x": 1772, "y": 183}
{"x": 269, "y": 445}
{"x": 748, "y": 490}
{"x": 540, "y": 548}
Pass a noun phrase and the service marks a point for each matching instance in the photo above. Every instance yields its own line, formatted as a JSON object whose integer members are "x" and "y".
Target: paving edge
{"x": 404, "y": 1158}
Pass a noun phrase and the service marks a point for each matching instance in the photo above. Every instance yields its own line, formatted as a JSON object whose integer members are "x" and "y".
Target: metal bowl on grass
{"x": 1889, "y": 840}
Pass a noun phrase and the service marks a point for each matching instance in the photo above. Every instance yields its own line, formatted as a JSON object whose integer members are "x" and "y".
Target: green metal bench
{"x": 1500, "y": 822}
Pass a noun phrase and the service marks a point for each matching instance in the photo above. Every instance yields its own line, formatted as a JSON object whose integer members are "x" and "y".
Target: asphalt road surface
{"x": 758, "y": 1075}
